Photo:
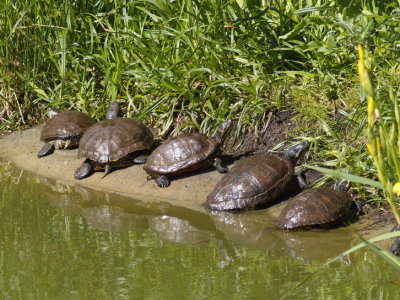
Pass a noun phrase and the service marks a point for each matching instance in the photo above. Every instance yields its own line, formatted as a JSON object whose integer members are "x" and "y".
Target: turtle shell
{"x": 314, "y": 207}
{"x": 251, "y": 182}
{"x": 65, "y": 125}
{"x": 181, "y": 154}
{"x": 111, "y": 140}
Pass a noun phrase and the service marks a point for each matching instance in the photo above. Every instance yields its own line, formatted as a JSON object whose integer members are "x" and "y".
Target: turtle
{"x": 321, "y": 206}
{"x": 63, "y": 130}
{"x": 185, "y": 153}
{"x": 255, "y": 180}
{"x": 395, "y": 247}
{"x": 114, "y": 142}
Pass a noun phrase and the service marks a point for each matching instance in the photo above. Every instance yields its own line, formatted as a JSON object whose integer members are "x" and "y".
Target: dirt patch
{"x": 275, "y": 130}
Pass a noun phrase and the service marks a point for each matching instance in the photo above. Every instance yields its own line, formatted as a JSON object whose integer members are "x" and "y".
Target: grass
{"x": 189, "y": 65}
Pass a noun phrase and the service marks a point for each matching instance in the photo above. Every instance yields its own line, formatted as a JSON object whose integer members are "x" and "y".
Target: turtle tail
{"x": 107, "y": 170}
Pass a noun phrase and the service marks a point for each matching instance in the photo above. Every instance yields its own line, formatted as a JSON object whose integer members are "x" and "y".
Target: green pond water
{"x": 63, "y": 242}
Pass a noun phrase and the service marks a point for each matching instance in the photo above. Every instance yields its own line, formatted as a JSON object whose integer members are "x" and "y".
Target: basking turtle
{"x": 184, "y": 153}
{"x": 395, "y": 247}
{"x": 63, "y": 130}
{"x": 114, "y": 142}
{"x": 320, "y": 206}
{"x": 255, "y": 180}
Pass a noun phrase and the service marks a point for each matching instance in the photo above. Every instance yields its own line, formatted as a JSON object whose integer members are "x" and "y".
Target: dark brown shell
{"x": 314, "y": 207}
{"x": 181, "y": 154}
{"x": 113, "y": 139}
{"x": 65, "y": 125}
{"x": 251, "y": 182}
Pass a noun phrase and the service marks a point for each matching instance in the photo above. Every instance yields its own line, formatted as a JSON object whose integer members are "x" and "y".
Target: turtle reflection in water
{"x": 256, "y": 180}
{"x": 115, "y": 142}
{"x": 63, "y": 130}
{"x": 322, "y": 207}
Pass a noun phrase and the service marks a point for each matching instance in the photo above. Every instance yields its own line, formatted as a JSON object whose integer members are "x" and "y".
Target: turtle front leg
{"x": 302, "y": 182}
{"x": 163, "y": 181}
{"x": 47, "y": 149}
{"x": 218, "y": 165}
{"x": 140, "y": 159}
{"x": 84, "y": 170}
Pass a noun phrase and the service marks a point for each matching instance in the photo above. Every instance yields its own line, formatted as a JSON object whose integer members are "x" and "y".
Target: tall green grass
{"x": 188, "y": 63}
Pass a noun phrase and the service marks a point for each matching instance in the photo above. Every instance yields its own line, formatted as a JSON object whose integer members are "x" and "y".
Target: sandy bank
{"x": 189, "y": 191}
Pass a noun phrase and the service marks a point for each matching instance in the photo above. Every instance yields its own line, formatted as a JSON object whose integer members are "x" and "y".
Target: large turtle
{"x": 255, "y": 180}
{"x": 63, "y": 130}
{"x": 316, "y": 207}
{"x": 114, "y": 142}
{"x": 185, "y": 153}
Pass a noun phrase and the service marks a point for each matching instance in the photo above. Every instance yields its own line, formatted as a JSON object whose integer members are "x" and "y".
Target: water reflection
{"x": 113, "y": 218}
{"x": 114, "y": 213}
{"x": 179, "y": 230}
{"x": 256, "y": 229}
{"x": 105, "y": 246}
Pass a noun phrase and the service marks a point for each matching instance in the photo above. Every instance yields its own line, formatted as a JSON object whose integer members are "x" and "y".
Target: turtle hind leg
{"x": 140, "y": 159}
{"x": 163, "y": 181}
{"x": 85, "y": 170}
{"x": 218, "y": 165}
{"x": 47, "y": 149}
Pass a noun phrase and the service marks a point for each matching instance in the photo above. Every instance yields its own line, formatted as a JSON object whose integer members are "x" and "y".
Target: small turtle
{"x": 114, "y": 142}
{"x": 316, "y": 207}
{"x": 185, "y": 153}
{"x": 255, "y": 180}
{"x": 63, "y": 130}
{"x": 395, "y": 247}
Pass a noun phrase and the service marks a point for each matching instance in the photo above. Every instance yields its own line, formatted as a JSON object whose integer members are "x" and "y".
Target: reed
{"x": 383, "y": 136}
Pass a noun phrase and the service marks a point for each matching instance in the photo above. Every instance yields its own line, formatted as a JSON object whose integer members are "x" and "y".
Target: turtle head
{"x": 114, "y": 111}
{"x": 341, "y": 186}
{"x": 222, "y": 130}
{"x": 51, "y": 112}
{"x": 295, "y": 152}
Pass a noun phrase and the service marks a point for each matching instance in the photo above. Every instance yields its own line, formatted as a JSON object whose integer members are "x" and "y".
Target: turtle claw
{"x": 47, "y": 149}
{"x": 163, "y": 181}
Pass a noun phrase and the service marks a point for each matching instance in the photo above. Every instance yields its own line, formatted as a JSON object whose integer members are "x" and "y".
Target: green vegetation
{"x": 182, "y": 65}
{"x": 383, "y": 136}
